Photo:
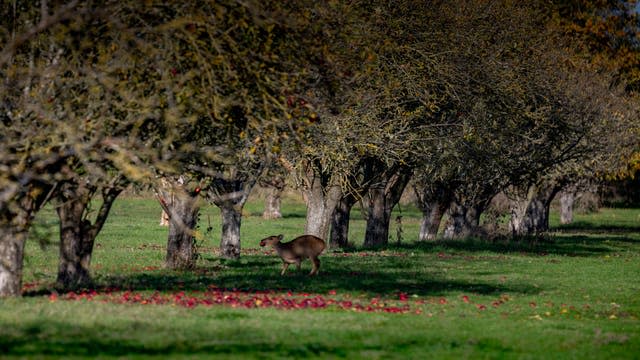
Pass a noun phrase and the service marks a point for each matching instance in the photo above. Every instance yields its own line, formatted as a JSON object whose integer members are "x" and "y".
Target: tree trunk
{"x": 431, "y": 220}
{"x": 183, "y": 218}
{"x": 383, "y": 197}
{"x": 433, "y": 202}
{"x": 567, "y": 199}
{"x": 321, "y": 195}
{"x": 464, "y": 213}
{"x": 13, "y": 236}
{"x": 229, "y": 192}
{"x": 320, "y": 208}
{"x": 464, "y": 220}
{"x": 14, "y": 230}
{"x": 183, "y": 209}
{"x": 363, "y": 174}
{"x": 529, "y": 217}
{"x": 378, "y": 218}
{"x": 231, "y": 221}
{"x": 76, "y": 245}
{"x": 340, "y": 222}
{"x": 518, "y": 209}
{"x": 530, "y": 214}
{"x": 272, "y": 203}
{"x": 77, "y": 234}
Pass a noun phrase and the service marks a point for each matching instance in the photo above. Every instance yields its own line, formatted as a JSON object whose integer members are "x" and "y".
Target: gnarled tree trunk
{"x": 465, "y": 210}
{"x": 229, "y": 192}
{"x": 274, "y": 188}
{"x": 321, "y": 194}
{"x": 383, "y": 197}
{"x": 339, "y": 237}
{"x": 530, "y": 213}
{"x": 364, "y": 173}
{"x": 13, "y": 235}
{"x": 231, "y": 222}
{"x": 15, "y": 221}
{"x": 464, "y": 220}
{"x": 182, "y": 207}
{"x": 272, "y": 204}
{"x": 77, "y": 233}
{"x": 431, "y": 220}
{"x": 320, "y": 208}
{"x": 567, "y": 198}
{"x": 433, "y": 201}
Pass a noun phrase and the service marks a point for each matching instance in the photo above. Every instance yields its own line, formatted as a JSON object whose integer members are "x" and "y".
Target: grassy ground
{"x": 576, "y": 295}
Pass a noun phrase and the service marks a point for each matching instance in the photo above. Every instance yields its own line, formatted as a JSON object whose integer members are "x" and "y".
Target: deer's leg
{"x": 284, "y": 268}
{"x": 316, "y": 266}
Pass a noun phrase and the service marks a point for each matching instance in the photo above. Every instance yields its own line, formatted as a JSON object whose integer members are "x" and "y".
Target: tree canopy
{"x": 353, "y": 98}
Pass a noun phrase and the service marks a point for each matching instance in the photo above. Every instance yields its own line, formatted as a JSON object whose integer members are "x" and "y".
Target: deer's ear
{"x": 280, "y": 237}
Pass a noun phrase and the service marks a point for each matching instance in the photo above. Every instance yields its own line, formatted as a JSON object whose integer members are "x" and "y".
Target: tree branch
{"x": 64, "y": 13}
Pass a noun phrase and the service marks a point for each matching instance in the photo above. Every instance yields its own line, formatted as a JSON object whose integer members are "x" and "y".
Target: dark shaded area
{"x": 31, "y": 339}
{"x": 293, "y": 215}
{"x": 567, "y": 241}
{"x": 622, "y": 193}
{"x": 378, "y": 276}
{"x": 584, "y": 226}
{"x": 563, "y": 245}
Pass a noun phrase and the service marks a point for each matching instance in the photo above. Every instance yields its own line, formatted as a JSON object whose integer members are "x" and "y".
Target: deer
{"x": 296, "y": 250}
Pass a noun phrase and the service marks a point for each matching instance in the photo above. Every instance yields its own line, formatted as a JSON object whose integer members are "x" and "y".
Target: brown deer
{"x": 296, "y": 250}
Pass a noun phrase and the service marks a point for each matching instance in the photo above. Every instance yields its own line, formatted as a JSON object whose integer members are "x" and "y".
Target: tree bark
{"x": 15, "y": 221}
{"x": 321, "y": 194}
{"x": 272, "y": 203}
{"x": 465, "y": 211}
{"x": 320, "y": 208}
{"x": 383, "y": 197}
{"x": 229, "y": 192}
{"x": 530, "y": 213}
{"x": 77, "y": 234}
{"x": 431, "y": 220}
{"x": 231, "y": 221}
{"x": 464, "y": 220}
{"x": 567, "y": 199}
{"x": 378, "y": 218}
{"x": 433, "y": 201}
{"x": 13, "y": 236}
{"x": 340, "y": 222}
{"x": 364, "y": 173}
{"x": 517, "y": 223}
{"x": 183, "y": 209}
{"x": 181, "y": 252}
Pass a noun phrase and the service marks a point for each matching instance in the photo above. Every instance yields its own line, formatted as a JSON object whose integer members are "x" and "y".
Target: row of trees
{"x": 354, "y": 99}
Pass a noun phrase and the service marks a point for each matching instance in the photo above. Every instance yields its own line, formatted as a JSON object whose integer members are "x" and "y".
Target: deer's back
{"x": 304, "y": 246}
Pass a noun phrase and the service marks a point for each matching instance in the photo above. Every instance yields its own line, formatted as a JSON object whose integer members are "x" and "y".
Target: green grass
{"x": 575, "y": 295}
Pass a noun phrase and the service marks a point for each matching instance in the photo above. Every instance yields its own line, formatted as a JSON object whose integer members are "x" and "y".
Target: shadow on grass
{"x": 286, "y": 215}
{"x": 372, "y": 276}
{"x": 584, "y": 226}
{"x": 59, "y": 339}
{"x": 564, "y": 243}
